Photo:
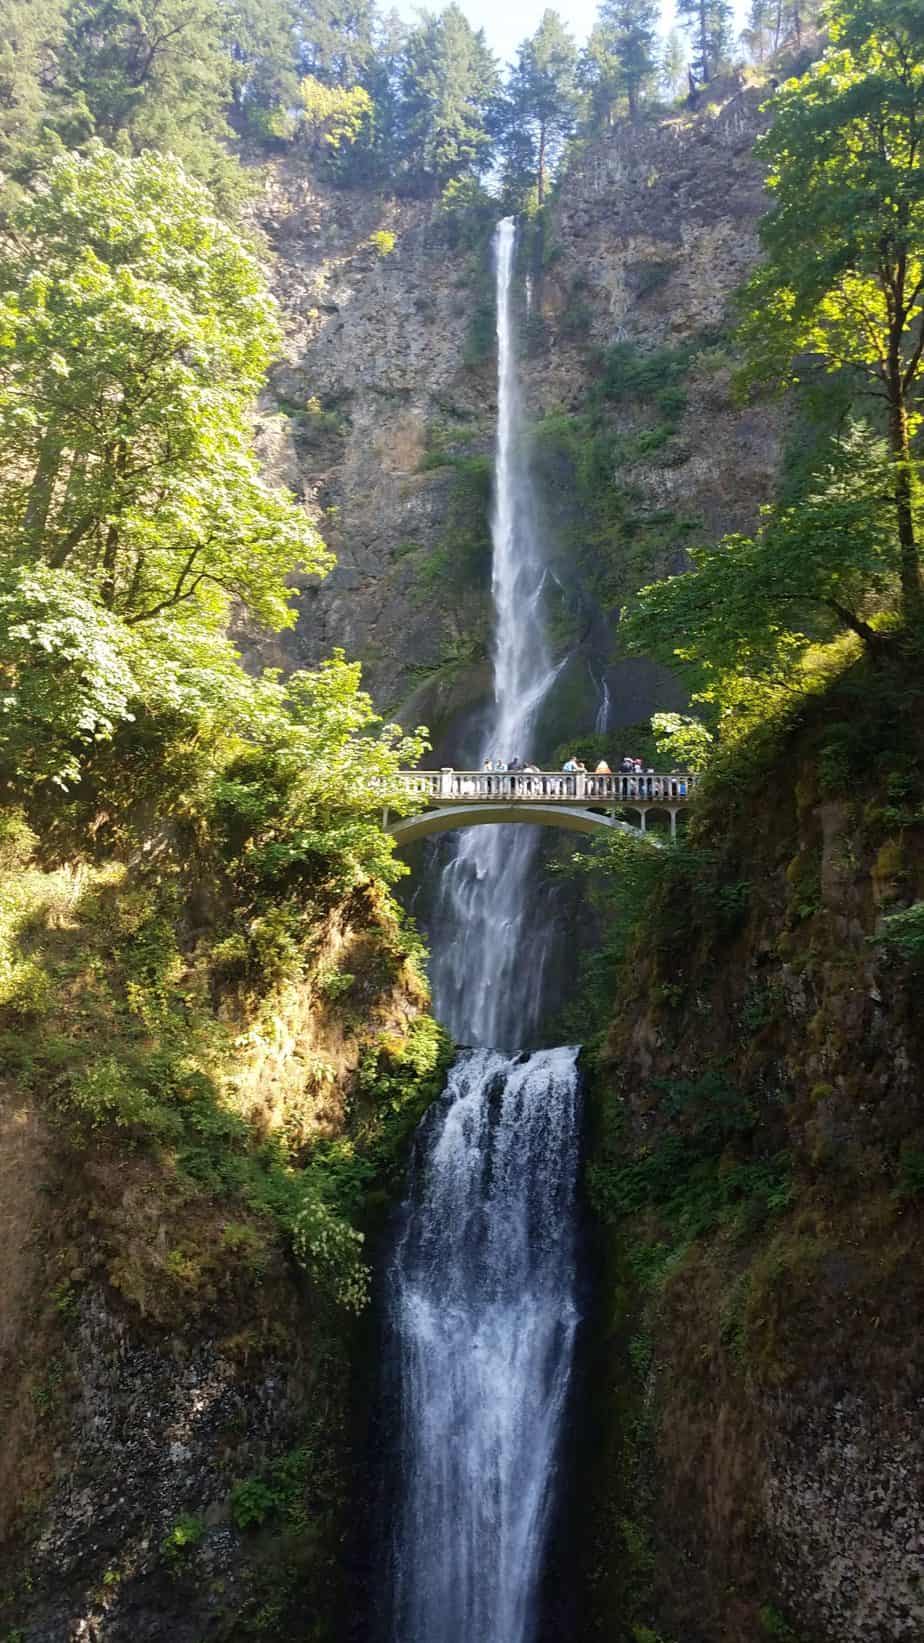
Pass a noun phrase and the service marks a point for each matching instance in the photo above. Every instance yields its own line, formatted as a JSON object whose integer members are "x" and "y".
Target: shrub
{"x": 383, "y": 241}
{"x": 252, "y": 1502}
{"x": 903, "y": 933}
{"x": 330, "y": 1250}
{"x": 182, "y": 1539}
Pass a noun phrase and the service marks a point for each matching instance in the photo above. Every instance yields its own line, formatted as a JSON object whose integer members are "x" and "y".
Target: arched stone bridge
{"x": 581, "y": 801}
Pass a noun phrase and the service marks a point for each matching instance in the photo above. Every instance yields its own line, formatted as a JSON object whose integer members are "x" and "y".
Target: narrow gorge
{"x": 499, "y": 1233}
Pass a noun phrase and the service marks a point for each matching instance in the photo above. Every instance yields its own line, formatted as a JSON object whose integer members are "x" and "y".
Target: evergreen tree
{"x": 542, "y": 98}
{"x": 673, "y": 65}
{"x": 618, "y": 63}
{"x": 448, "y": 84}
{"x": 143, "y": 74}
{"x": 30, "y": 32}
{"x": 598, "y": 76}
{"x": 629, "y": 29}
{"x": 709, "y": 24}
{"x": 259, "y": 37}
{"x": 336, "y": 39}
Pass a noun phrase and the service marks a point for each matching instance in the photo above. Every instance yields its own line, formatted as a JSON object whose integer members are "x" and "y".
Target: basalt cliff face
{"x": 384, "y": 405}
{"x": 753, "y": 1461}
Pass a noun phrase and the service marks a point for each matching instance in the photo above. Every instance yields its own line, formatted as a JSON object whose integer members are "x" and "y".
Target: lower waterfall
{"x": 481, "y": 1313}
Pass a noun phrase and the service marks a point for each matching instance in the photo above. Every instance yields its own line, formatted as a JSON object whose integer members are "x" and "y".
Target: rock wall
{"x": 181, "y": 1414}
{"x": 757, "y": 1391}
{"x": 387, "y": 408}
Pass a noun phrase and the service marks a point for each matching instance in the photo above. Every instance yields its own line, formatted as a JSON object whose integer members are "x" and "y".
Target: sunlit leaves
{"x": 135, "y": 331}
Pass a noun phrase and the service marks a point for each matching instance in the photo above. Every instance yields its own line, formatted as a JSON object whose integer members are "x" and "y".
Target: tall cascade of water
{"x": 481, "y": 1288}
{"x": 487, "y": 967}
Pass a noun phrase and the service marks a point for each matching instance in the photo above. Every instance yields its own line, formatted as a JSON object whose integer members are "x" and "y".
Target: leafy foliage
{"x": 902, "y": 933}
{"x": 682, "y": 740}
{"x": 752, "y": 606}
{"x": 843, "y": 277}
{"x": 134, "y": 332}
{"x": 333, "y": 116}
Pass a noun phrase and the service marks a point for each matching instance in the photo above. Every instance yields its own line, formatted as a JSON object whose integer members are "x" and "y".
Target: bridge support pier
{"x": 673, "y": 815}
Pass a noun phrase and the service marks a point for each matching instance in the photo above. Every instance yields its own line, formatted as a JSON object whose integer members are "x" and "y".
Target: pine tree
{"x": 755, "y": 36}
{"x": 542, "y": 98}
{"x": 336, "y": 39}
{"x": 629, "y": 28}
{"x": 709, "y": 24}
{"x": 449, "y": 80}
{"x": 673, "y": 65}
{"x": 142, "y": 74}
{"x": 259, "y": 37}
{"x": 30, "y": 31}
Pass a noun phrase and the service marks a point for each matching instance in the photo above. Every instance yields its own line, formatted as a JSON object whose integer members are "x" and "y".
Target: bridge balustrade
{"x": 552, "y": 786}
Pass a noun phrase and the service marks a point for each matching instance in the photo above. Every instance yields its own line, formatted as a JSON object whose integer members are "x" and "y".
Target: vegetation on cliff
{"x": 755, "y": 1161}
{"x": 213, "y": 1027}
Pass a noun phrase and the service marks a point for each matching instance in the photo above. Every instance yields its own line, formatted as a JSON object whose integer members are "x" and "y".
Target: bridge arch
{"x": 485, "y": 814}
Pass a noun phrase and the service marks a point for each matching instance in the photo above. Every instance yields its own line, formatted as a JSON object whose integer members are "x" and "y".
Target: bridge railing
{"x": 550, "y": 786}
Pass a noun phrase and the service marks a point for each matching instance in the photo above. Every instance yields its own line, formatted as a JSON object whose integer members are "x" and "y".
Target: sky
{"x": 507, "y": 22}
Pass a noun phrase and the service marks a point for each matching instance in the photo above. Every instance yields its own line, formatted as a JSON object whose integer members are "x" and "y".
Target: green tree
{"x": 673, "y": 65}
{"x": 542, "y": 98}
{"x": 135, "y": 329}
{"x": 30, "y": 32}
{"x": 630, "y": 28}
{"x": 709, "y": 25}
{"x": 842, "y": 283}
{"x": 448, "y": 82}
{"x": 336, "y": 39}
{"x": 333, "y": 116}
{"x": 146, "y": 74}
{"x": 814, "y": 571}
{"x": 259, "y": 37}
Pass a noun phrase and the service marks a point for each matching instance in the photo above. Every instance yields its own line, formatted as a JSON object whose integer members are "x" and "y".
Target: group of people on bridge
{"x": 576, "y": 780}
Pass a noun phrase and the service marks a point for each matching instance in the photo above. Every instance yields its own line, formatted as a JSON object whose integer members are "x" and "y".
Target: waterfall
{"x": 482, "y": 1311}
{"x": 602, "y": 720}
{"x": 488, "y": 959}
{"x": 480, "y": 1305}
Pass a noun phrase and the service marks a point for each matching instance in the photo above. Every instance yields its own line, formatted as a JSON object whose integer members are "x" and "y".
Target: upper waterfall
{"x": 486, "y": 989}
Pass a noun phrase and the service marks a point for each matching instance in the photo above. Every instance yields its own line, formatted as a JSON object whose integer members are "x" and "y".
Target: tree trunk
{"x": 111, "y": 548}
{"x": 541, "y": 178}
{"x": 42, "y": 489}
{"x": 704, "y": 38}
{"x": 903, "y": 493}
{"x": 110, "y": 556}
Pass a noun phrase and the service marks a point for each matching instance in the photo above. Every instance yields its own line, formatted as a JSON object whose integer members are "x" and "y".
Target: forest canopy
{"x": 409, "y": 107}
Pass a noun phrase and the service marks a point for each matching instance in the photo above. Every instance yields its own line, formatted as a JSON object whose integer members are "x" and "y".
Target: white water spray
{"x": 487, "y": 970}
{"x": 483, "y": 1313}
